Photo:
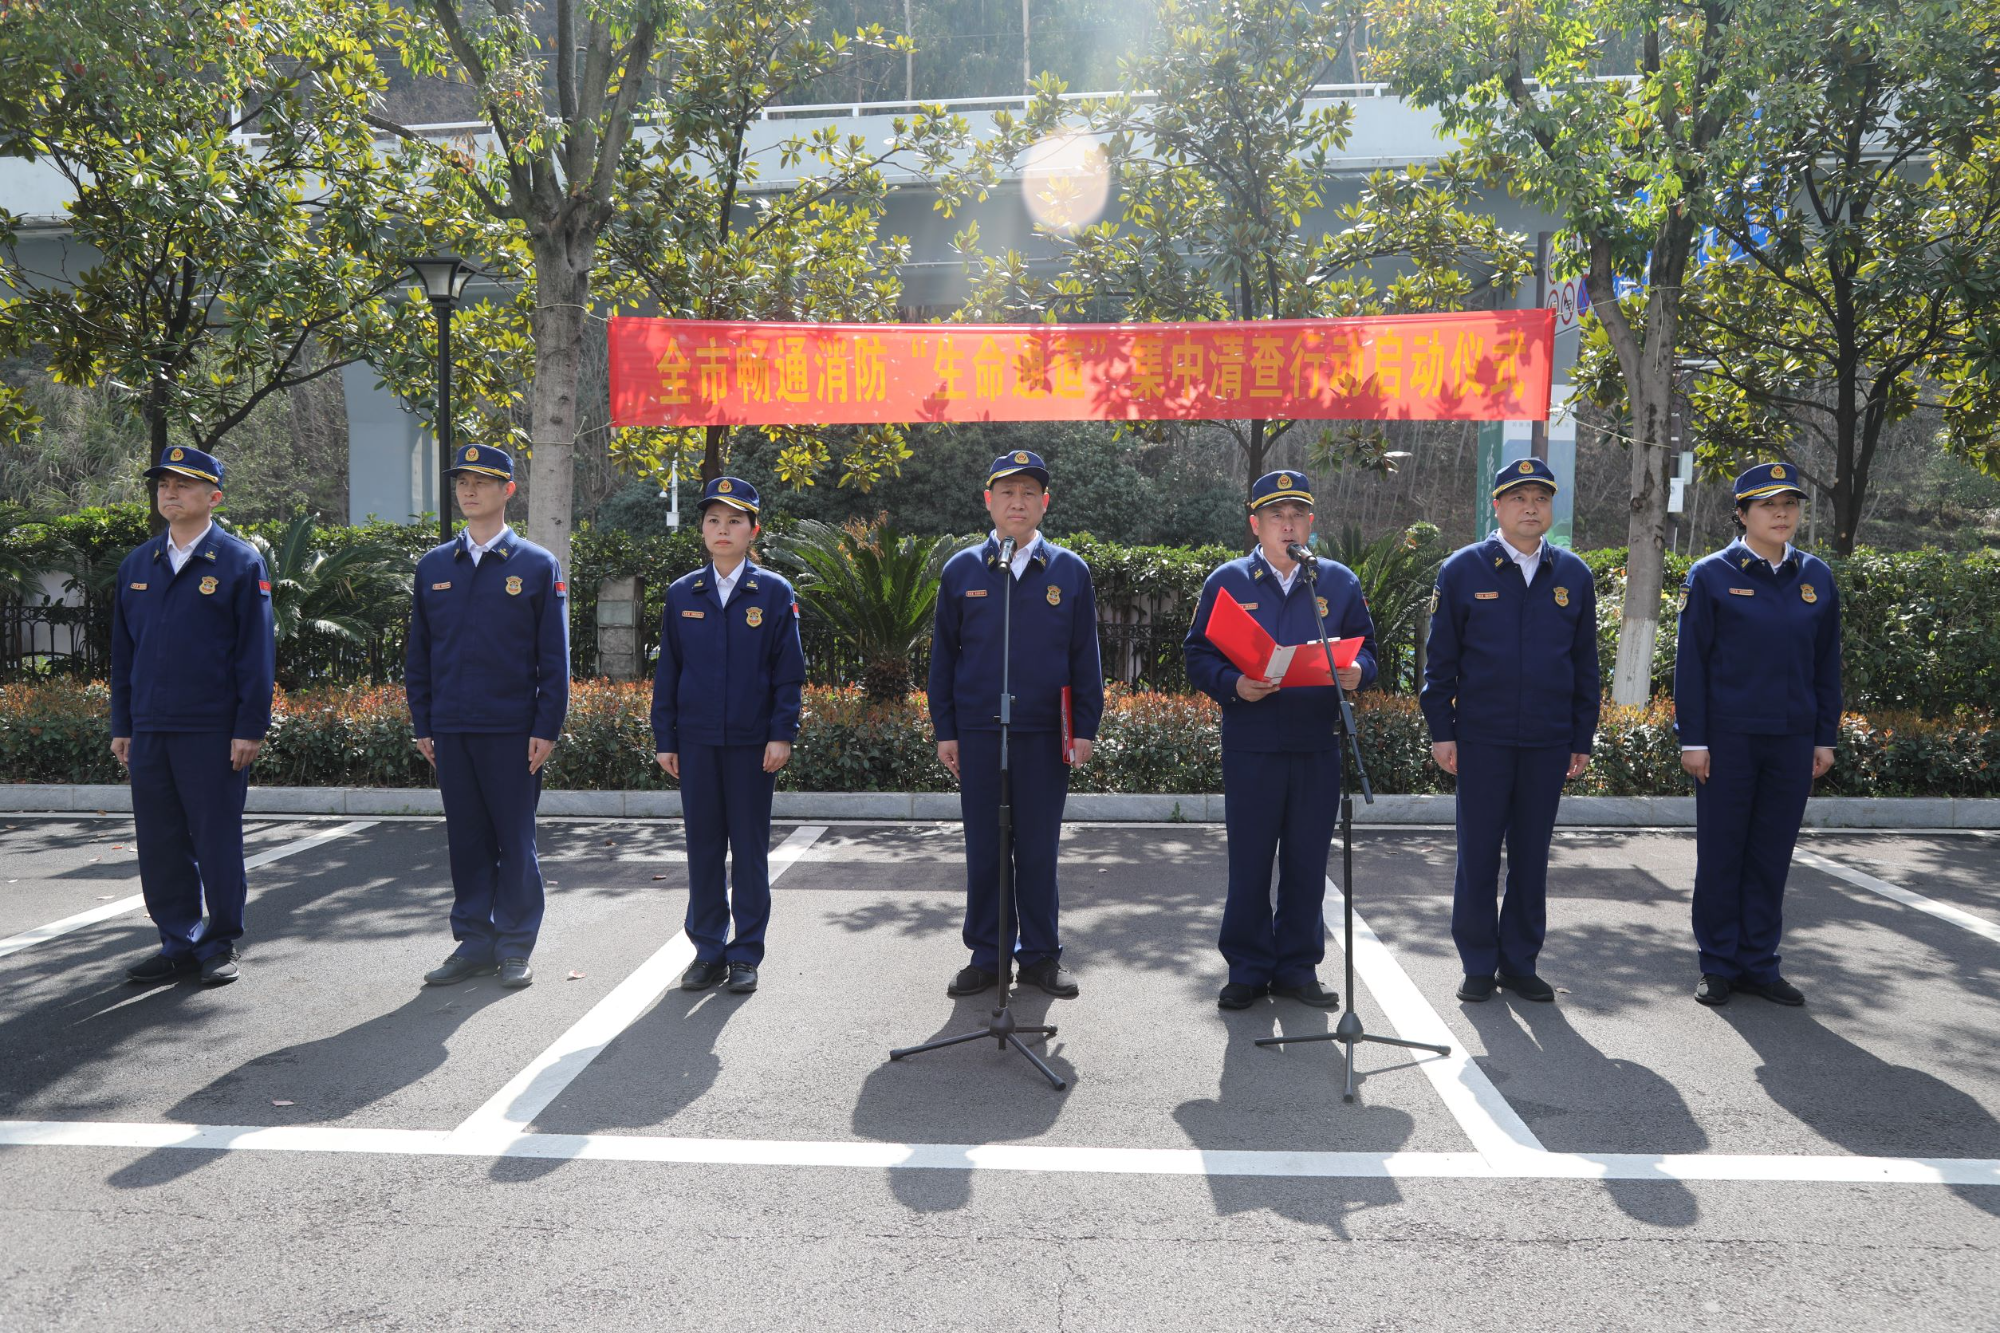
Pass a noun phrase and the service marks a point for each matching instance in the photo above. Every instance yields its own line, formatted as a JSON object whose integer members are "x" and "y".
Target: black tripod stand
{"x": 1001, "y": 1028}
{"x": 1349, "y": 1030}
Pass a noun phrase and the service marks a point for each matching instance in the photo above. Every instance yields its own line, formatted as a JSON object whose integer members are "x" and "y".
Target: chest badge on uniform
{"x": 1562, "y": 596}
{"x": 208, "y": 586}
{"x": 440, "y": 587}
{"x": 753, "y": 616}
{"x": 1322, "y": 605}
{"x": 1486, "y": 597}
{"x": 1055, "y": 595}
{"x": 1806, "y": 591}
{"x": 1742, "y": 592}
{"x": 513, "y": 585}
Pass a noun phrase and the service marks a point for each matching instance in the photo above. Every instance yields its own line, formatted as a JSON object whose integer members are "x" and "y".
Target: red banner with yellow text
{"x": 1482, "y": 366}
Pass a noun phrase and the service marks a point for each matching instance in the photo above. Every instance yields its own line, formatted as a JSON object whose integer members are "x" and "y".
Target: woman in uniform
{"x": 1757, "y": 707}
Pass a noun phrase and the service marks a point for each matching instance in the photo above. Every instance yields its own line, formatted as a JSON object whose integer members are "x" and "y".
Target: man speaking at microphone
{"x": 1054, "y": 647}
{"x": 1280, "y": 751}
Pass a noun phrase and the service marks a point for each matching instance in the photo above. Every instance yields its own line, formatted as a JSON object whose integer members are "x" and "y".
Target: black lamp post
{"x": 444, "y": 277}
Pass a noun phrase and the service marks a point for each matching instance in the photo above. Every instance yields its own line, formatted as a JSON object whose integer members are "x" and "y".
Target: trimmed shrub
{"x": 1165, "y": 743}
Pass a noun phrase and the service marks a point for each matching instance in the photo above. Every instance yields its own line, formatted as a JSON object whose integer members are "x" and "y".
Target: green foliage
{"x": 1215, "y": 161}
{"x": 1397, "y": 572}
{"x": 233, "y": 215}
{"x": 875, "y": 588}
{"x": 325, "y": 595}
{"x": 1154, "y": 743}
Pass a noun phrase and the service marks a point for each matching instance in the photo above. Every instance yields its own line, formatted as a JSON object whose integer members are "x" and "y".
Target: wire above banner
{"x": 1482, "y": 366}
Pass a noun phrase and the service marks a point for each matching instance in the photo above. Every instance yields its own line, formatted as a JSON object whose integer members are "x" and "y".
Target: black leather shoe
{"x": 1239, "y": 995}
{"x": 219, "y": 970}
{"x": 742, "y": 978}
{"x": 1052, "y": 977}
{"x": 1777, "y": 990}
{"x": 1711, "y": 989}
{"x": 1310, "y": 992}
{"x": 456, "y": 969}
{"x": 1475, "y": 990}
{"x": 1528, "y": 988}
{"x": 160, "y": 968}
{"x": 515, "y": 973}
{"x": 700, "y": 975}
{"x": 971, "y": 981}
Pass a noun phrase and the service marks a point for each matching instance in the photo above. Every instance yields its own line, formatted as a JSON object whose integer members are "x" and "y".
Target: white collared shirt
{"x": 725, "y": 584}
{"x": 1529, "y": 562}
{"x": 180, "y": 555}
{"x": 477, "y": 549}
{"x": 1285, "y": 581}
{"x": 1022, "y": 553}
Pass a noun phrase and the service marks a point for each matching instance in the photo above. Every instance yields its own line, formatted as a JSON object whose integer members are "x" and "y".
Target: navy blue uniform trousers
{"x": 1040, "y": 786}
{"x": 1281, "y": 804}
{"x": 1746, "y": 822}
{"x": 187, "y": 810}
{"x": 1506, "y": 794}
{"x": 489, "y": 824}
{"x": 726, "y": 806}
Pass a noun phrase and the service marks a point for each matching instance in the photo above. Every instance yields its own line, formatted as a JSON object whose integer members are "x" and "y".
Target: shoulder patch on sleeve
{"x": 562, "y": 589}
{"x": 264, "y": 586}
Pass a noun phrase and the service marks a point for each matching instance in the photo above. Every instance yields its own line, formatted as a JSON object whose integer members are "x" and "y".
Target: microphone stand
{"x": 1001, "y": 1027}
{"x": 1349, "y": 1030}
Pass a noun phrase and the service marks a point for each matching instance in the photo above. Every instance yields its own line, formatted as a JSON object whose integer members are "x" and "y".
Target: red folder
{"x": 1251, "y": 649}
{"x": 1068, "y": 729}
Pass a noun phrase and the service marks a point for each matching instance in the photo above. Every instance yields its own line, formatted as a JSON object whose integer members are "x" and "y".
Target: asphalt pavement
{"x": 330, "y": 1144}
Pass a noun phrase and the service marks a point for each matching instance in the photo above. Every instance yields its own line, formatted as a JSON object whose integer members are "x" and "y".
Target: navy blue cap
{"x": 1768, "y": 479}
{"x": 732, "y": 491}
{"x": 188, "y": 463}
{"x": 1535, "y": 470}
{"x": 483, "y": 459}
{"x": 1280, "y": 485}
{"x": 1021, "y": 460}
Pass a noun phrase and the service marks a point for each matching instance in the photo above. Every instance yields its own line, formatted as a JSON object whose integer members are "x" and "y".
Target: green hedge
{"x": 360, "y": 736}
{"x": 1922, "y": 627}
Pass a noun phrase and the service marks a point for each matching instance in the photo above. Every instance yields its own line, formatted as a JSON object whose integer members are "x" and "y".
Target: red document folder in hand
{"x": 1068, "y": 728}
{"x": 1251, "y": 650}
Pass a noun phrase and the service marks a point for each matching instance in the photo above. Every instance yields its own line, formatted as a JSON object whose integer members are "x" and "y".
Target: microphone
{"x": 1301, "y": 554}
{"x": 1007, "y": 551}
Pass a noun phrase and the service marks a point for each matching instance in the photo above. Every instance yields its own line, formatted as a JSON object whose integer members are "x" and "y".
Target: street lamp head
{"x": 443, "y": 276}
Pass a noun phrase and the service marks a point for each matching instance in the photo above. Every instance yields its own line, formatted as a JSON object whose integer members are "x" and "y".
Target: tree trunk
{"x": 156, "y": 441}
{"x": 711, "y": 454}
{"x": 1646, "y": 529}
{"x": 562, "y": 289}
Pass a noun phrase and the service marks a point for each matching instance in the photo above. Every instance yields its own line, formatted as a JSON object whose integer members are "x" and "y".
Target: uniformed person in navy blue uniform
{"x": 193, "y": 654}
{"x": 725, "y": 714}
{"x": 1054, "y": 646}
{"x": 1511, "y": 694}
{"x": 1280, "y": 754}
{"x": 1757, "y": 706}
{"x": 487, "y": 677}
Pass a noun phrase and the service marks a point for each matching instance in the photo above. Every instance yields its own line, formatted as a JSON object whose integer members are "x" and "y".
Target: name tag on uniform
{"x": 138, "y": 587}
{"x": 440, "y": 587}
{"x": 1742, "y": 592}
{"x": 975, "y": 592}
{"x": 693, "y": 615}
{"x": 1249, "y": 606}
{"x": 1486, "y": 596}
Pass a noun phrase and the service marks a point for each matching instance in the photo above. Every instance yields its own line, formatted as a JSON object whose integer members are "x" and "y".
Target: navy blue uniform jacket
{"x": 728, "y": 675}
{"x": 1513, "y": 663}
{"x": 193, "y": 651}
{"x": 489, "y": 643}
{"x": 1055, "y": 643}
{"x": 1759, "y": 652}
{"x": 1298, "y": 717}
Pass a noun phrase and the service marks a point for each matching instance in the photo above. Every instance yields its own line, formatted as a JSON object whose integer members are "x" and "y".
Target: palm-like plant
{"x": 321, "y": 598}
{"x": 876, "y": 590}
{"x": 1397, "y": 571}
{"x": 19, "y": 571}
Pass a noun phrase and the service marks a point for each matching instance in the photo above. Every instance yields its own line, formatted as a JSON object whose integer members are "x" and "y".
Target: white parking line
{"x": 1495, "y": 1128}
{"x": 1826, "y": 1169}
{"x": 29, "y": 938}
{"x": 1964, "y": 920}
{"x": 511, "y": 1110}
